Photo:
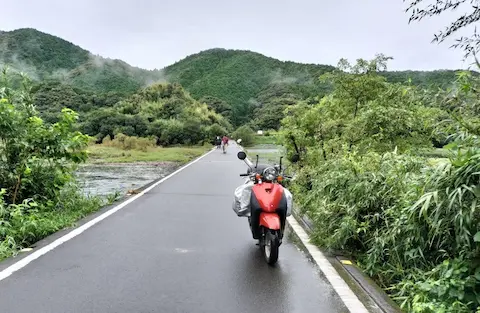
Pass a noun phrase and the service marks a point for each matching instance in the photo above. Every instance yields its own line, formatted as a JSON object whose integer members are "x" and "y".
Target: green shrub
{"x": 213, "y": 131}
{"x": 246, "y": 134}
{"x": 37, "y": 158}
{"x": 172, "y": 132}
{"x": 37, "y": 161}
{"x": 365, "y": 182}
{"x": 125, "y": 142}
{"x": 25, "y": 223}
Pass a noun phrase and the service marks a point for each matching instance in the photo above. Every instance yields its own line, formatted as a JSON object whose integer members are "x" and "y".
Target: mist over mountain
{"x": 240, "y": 78}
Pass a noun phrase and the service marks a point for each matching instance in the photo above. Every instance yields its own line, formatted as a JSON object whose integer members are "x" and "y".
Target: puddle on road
{"x": 105, "y": 179}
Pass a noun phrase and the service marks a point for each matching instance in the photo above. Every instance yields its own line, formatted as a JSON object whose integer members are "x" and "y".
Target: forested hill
{"x": 45, "y": 57}
{"x": 237, "y": 79}
{"x": 244, "y": 78}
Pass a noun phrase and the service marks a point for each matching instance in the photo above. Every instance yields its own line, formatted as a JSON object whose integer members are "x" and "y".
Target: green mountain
{"x": 243, "y": 83}
{"x": 238, "y": 77}
{"x": 253, "y": 83}
{"x": 45, "y": 57}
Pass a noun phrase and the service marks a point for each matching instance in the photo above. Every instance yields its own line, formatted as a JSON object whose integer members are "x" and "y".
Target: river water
{"x": 105, "y": 179}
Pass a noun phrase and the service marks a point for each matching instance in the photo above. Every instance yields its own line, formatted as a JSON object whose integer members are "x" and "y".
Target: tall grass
{"x": 415, "y": 229}
{"x": 38, "y": 195}
{"x": 25, "y": 223}
{"x": 411, "y": 217}
{"x": 125, "y": 142}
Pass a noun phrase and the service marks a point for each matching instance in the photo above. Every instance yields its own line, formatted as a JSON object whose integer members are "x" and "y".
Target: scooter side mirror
{"x": 242, "y": 155}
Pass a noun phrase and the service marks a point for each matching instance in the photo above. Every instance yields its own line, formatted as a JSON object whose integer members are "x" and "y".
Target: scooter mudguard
{"x": 270, "y": 220}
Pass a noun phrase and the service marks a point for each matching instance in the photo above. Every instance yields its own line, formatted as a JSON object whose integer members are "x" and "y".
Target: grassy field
{"x": 265, "y": 140}
{"x": 110, "y": 154}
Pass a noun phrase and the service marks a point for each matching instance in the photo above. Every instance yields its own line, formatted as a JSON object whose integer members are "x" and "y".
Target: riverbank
{"x": 102, "y": 154}
{"x": 106, "y": 179}
{"x": 271, "y": 139}
{"x": 115, "y": 170}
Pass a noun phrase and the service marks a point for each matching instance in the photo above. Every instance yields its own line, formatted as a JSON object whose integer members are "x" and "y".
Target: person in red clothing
{"x": 224, "y": 142}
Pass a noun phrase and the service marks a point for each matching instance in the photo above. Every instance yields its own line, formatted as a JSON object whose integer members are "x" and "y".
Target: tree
{"x": 363, "y": 113}
{"x": 37, "y": 158}
{"x": 217, "y": 105}
{"x": 419, "y": 10}
{"x": 358, "y": 83}
{"x": 269, "y": 116}
{"x": 215, "y": 130}
{"x": 246, "y": 134}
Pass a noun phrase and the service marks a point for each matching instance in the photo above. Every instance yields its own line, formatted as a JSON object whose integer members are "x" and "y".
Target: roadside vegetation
{"x": 38, "y": 195}
{"x": 377, "y": 187}
{"x": 389, "y": 173}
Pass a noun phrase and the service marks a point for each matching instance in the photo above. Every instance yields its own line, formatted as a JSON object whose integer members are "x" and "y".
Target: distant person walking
{"x": 225, "y": 143}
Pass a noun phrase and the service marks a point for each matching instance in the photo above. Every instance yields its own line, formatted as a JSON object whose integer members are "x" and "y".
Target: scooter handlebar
{"x": 244, "y": 175}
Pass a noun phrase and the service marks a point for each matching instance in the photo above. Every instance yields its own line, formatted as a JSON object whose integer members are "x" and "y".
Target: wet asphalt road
{"x": 178, "y": 248}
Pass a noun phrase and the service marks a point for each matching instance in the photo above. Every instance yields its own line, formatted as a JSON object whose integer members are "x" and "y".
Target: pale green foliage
{"x": 36, "y": 158}
{"x": 125, "y": 142}
{"x": 364, "y": 113}
{"x": 164, "y": 111}
{"x": 37, "y": 161}
{"x": 246, "y": 134}
{"x": 414, "y": 228}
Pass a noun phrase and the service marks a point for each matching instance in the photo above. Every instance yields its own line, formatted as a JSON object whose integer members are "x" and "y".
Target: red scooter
{"x": 268, "y": 206}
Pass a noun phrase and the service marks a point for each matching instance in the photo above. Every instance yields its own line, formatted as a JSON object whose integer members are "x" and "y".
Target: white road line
{"x": 350, "y": 300}
{"x": 77, "y": 231}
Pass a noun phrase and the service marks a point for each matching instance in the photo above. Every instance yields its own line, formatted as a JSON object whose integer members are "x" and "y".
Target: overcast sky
{"x": 155, "y": 33}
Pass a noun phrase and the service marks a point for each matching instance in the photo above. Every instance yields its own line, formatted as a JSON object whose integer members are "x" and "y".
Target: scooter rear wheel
{"x": 270, "y": 247}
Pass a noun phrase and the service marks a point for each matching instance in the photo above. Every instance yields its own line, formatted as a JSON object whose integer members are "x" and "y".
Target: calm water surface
{"x": 104, "y": 179}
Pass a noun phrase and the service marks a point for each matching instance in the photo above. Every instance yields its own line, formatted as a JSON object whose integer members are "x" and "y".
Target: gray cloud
{"x": 277, "y": 77}
{"x": 18, "y": 66}
{"x": 153, "y": 34}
